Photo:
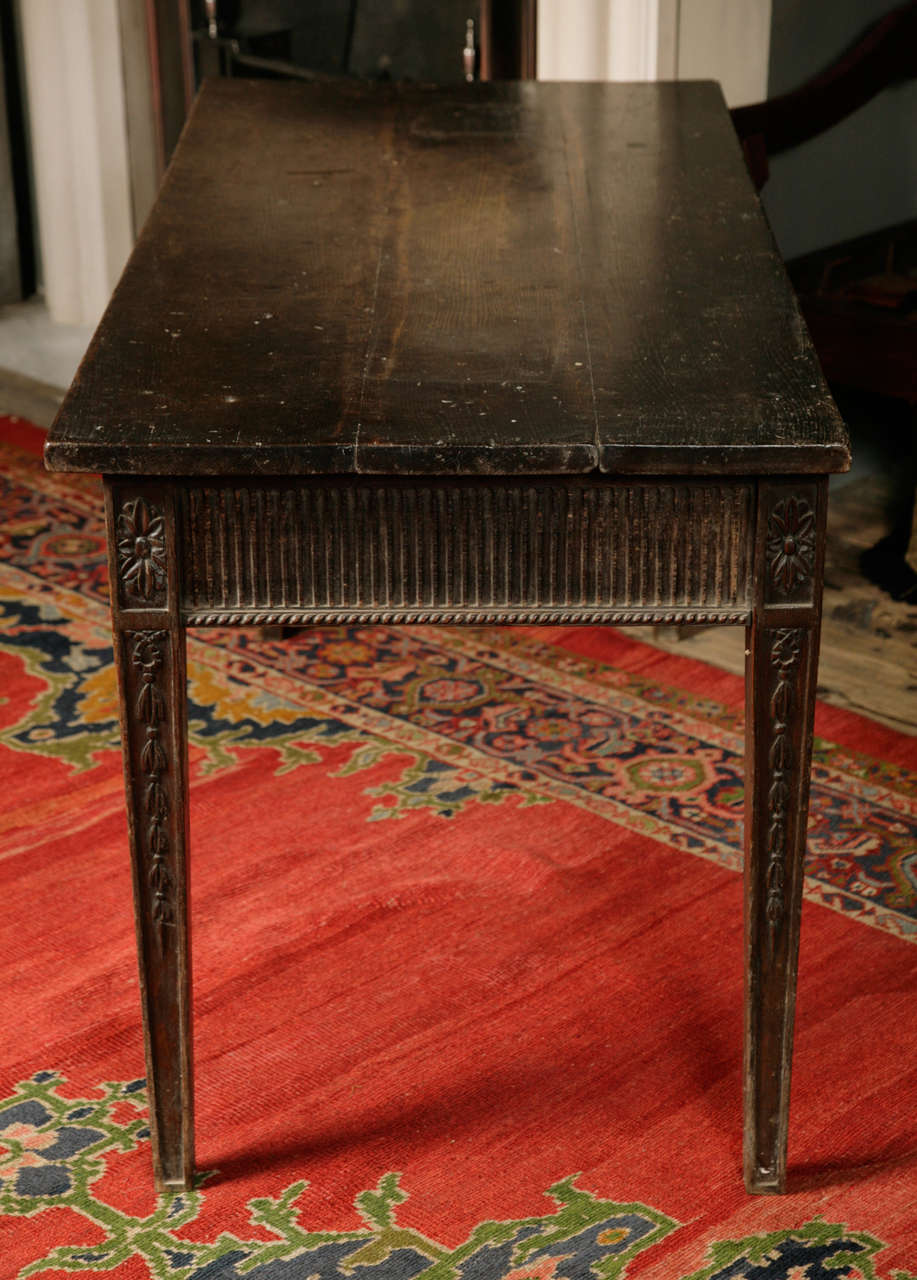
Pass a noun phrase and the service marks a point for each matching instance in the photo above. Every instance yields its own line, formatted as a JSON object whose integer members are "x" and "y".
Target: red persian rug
{"x": 468, "y": 924}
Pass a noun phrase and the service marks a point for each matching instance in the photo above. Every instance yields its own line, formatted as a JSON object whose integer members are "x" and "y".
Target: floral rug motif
{"x": 53, "y": 1152}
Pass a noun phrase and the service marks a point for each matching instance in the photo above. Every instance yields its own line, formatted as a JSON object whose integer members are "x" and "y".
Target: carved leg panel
{"x": 150, "y": 658}
{"x": 152, "y": 665}
{"x": 782, "y": 648}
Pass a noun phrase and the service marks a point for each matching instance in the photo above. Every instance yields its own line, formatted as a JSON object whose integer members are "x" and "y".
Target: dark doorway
{"x": 439, "y": 41}
{"x": 425, "y": 40}
{"x": 17, "y": 240}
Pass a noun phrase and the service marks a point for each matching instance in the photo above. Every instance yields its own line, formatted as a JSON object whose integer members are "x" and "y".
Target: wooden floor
{"x": 869, "y": 641}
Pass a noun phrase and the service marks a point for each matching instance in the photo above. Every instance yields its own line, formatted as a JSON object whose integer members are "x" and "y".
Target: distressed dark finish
{"x": 550, "y": 323}
{"x": 782, "y": 648}
{"x": 499, "y": 279}
{"x": 149, "y": 644}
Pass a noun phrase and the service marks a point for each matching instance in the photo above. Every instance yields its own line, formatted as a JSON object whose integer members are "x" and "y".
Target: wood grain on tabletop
{"x": 497, "y": 278}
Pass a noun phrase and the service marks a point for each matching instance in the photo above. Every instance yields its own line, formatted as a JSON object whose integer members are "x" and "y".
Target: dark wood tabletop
{"x": 503, "y": 278}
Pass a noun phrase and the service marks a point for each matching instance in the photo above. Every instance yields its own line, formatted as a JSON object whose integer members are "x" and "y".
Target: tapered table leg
{"x": 782, "y": 659}
{"x": 150, "y": 659}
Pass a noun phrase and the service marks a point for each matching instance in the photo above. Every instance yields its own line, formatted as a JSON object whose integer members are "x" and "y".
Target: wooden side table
{"x": 510, "y": 353}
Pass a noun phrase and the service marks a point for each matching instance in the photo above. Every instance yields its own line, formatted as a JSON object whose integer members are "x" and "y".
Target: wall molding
{"x": 75, "y": 95}
{"x": 725, "y": 40}
{"x": 599, "y": 39}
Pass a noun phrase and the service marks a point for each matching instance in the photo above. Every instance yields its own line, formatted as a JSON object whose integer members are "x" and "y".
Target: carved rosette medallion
{"x": 147, "y": 657}
{"x": 791, "y": 545}
{"x": 785, "y": 654}
{"x": 142, "y": 552}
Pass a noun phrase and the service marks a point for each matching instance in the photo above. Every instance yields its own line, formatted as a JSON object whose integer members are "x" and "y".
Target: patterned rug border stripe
{"x": 868, "y": 913}
{"x": 621, "y": 682}
{"x": 76, "y": 489}
{"x": 830, "y": 778}
{"x": 859, "y": 763}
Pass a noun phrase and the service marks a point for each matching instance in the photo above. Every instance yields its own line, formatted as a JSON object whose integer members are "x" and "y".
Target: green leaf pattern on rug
{"x": 38, "y": 1129}
{"x": 75, "y": 719}
{"x": 53, "y": 1154}
{"x": 817, "y": 1250}
{"x": 70, "y": 665}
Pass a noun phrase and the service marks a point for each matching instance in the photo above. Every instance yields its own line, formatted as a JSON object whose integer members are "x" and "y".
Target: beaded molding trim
{"x": 317, "y": 617}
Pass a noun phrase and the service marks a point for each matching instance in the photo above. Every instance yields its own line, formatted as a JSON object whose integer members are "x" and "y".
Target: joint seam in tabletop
{"x": 582, "y": 301}
{"x": 372, "y": 335}
{"x": 370, "y": 349}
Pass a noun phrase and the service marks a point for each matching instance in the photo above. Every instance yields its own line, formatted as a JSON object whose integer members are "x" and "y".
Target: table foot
{"x": 761, "y": 1182}
{"x": 173, "y": 1188}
